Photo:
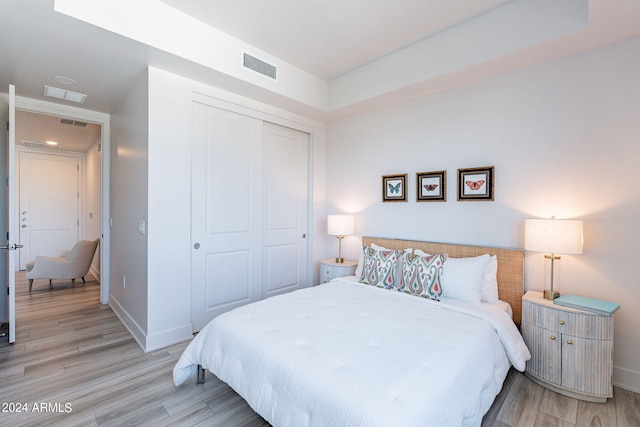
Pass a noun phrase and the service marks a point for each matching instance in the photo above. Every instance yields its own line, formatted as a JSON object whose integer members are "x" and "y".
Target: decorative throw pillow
{"x": 397, "y": 274}
{"x": 379, "y": 267}
{"x": 422, "y": 275}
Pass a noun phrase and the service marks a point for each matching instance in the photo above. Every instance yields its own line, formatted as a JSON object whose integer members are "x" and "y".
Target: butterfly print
{"x": 475, "y": 185}
{"x": 394, "y": 188}
{"x": 430, "y": 187}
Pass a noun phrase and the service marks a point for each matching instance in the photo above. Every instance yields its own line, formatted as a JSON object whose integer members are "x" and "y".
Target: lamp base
{"x": 340, "y": 260}
{"x": 549, "y": 294}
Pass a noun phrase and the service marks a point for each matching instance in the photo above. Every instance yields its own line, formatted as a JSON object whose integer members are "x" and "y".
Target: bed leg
{"x": 200, "y": 375}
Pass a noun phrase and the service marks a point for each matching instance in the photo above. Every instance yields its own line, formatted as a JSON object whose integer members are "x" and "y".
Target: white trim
{"x": 134, "y": 329}
{"x": 95, "y": 272}
{"x": 203, "y": 98}
{"x": 153, "y": 341}
{"x": 626, "y": 379}
{"x": 168, "y": 337}
{"x": 104, "y": 120}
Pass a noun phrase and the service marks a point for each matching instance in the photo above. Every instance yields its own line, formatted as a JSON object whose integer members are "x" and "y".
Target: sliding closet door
{"x": 226, "y": 253}
{"x": 249, "y": 211}
{"x": 285, "y": 209}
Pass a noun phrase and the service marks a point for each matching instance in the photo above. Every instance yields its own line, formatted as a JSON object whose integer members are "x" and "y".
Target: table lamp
{"x": 553, "y": 236}
{"x": 340, "y": 226}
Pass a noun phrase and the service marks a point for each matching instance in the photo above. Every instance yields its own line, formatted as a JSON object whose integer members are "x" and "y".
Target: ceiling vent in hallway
{"x": 40, "y": 145}
{"x": 67, "y": 95}
{"x": 259, "y": 66}
{"x": 70, "y": 122}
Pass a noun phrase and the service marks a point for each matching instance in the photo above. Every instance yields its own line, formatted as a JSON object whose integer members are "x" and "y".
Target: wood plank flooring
{"x": 74, "y": 364}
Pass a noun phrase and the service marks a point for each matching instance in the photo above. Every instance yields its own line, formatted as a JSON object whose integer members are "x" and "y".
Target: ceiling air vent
{"x": 70, "y": 122}
{"x": 40, "y": 145}
{"x": 259, "y": 66}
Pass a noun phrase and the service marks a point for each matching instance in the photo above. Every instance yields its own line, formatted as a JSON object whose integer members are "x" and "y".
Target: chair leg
{"x": 73, "y": 283}
{"x": 50, "y": 285}
{"x": 30, "y": 284}
{"x": 83, "y": 281}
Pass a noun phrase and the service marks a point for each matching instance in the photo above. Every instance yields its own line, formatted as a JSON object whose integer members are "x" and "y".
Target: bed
{"x": 352, "y": 354}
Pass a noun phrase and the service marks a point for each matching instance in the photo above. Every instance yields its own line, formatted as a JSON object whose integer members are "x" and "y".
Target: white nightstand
{"x": 330, "y": 269}
{"x": 571, "y": 350}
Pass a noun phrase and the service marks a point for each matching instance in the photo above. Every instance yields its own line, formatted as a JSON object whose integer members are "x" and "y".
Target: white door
{"x": 226, "y": 212}
{"x": 48, "y": 204}
{"x": 285, "y": 209}
{"x": 10, "y": 206}
{"x": 249, "y": 211}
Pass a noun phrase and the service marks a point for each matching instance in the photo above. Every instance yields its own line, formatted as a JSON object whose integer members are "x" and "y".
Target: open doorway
{"x": 58, "y": 176}
{"x": 102, "y": 177}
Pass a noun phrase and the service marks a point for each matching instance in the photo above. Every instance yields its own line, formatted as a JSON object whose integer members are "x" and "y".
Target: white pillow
{"x": 489, "y": 289}
{"x": 463, "y": 278}
{"x": 373, "y": 246}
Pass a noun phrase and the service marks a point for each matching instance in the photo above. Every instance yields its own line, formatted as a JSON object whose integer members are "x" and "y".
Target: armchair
{"x": 74, "y": 264}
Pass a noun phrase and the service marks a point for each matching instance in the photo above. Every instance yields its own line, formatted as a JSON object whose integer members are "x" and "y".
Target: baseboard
{"x": 95, "y": 272}
{"x": 134, "y": 329}
{"x": 169, "y": 337}
{"x": 154, "y": 341}
{"x": 626, "y": 379}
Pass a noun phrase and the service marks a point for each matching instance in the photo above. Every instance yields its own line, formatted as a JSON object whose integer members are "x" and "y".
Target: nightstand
{"x": 571, "y": 350}
{"x": 330, "y": 269}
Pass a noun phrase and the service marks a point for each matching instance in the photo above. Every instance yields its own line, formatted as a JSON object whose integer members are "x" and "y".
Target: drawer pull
{"x": 553, "y": 337}
{"x": 569, "y": 342}
{"x": 562, "y": 322}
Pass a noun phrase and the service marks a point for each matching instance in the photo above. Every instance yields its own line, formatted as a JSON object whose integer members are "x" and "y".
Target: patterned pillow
{"x": 379, "y": 267}
{"x": 422, "y": 275}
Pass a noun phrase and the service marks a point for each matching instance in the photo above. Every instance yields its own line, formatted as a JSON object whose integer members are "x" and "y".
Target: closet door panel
{"x": 283, "y": 270}
{"x": 226, "y": 217}
{"x": 223, "y": 269}
{"x": 285, "y": 209}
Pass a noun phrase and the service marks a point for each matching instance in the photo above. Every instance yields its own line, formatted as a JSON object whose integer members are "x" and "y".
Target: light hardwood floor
{"x": 74, "y": 363}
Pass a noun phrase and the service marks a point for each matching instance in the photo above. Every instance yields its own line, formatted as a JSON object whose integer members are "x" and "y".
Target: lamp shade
{"x": 341, "y": 225}
{"x": 556, "y": 236}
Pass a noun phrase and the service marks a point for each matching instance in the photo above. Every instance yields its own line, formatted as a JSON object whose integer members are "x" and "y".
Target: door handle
{"x": 11, "y": 247}
{"x": 24, "y": 226}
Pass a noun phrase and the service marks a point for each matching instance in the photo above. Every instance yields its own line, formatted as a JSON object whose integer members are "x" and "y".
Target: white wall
{"x": 129, "y": 201}
{"x": 564, "y": 140}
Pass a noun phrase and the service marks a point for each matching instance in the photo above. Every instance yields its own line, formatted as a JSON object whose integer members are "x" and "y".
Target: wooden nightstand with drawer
{"x": 571, "y": 350}
{"x": 330, "y": 269}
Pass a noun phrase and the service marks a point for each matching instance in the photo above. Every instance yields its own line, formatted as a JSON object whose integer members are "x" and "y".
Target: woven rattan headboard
{"x": 510, "y": 264}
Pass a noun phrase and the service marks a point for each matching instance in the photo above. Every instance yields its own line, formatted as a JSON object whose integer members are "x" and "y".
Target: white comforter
{"x": 346, "y": 354}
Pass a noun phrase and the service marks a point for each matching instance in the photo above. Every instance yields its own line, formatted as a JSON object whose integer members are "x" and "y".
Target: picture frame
{"x": 431, "y": 186}
{"x": 476, "y": 184}
{"x": 394, "y": 188}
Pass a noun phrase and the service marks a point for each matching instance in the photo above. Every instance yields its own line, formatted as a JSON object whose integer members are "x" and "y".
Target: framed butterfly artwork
{"x": 476, "y": 183}
{"x": 431, "y": 186}
{"x": 394, "y": 188}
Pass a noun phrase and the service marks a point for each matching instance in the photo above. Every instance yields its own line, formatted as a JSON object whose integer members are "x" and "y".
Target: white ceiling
{"x": 331, "y": 39}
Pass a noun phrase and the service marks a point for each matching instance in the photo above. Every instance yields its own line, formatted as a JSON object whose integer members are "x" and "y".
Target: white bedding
{"x": 347, "y": 354}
